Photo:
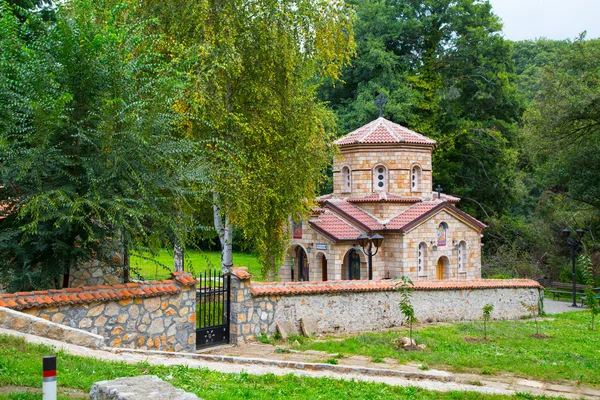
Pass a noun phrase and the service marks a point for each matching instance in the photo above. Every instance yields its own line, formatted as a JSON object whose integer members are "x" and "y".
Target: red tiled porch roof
{"x": 355, "y": 215}
{"x": 415, "y": 213}
{"x": 334, "y": 227}
{"x": 383, "y": 131}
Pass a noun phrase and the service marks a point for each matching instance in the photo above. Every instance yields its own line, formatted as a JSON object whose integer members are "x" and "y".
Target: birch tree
{"x": 253, "y": 68}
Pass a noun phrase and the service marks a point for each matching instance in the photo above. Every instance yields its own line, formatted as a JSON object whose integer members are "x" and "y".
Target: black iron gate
{"x": 212, "y": 309}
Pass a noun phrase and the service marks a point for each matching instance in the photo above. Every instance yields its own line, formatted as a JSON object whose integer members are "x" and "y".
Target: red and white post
{"x": 49, "y": 375}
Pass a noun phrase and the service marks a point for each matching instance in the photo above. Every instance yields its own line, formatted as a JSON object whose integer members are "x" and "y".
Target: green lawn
{"x": 20, "y": 365}
{"x": 195, "y": 261}
{"x": 571, "y": 352}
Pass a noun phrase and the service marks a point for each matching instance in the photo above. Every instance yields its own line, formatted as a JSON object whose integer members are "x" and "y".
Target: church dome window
{"x": 380, "y": 178}
{"x": 347, "y": 180}
{"x": 415, "y": 181}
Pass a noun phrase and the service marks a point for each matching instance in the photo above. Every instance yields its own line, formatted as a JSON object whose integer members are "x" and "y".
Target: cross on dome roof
{"x": 383, "y": 131}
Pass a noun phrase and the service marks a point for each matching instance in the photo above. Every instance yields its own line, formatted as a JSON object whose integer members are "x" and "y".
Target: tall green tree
{"x": 254, "y": 68}
{"x": 88, "y": 155}
{"x": 563, "y": 124}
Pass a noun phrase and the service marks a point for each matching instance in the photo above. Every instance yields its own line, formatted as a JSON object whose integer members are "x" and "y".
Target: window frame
{"x": 376, "y": 180}
{"x": 416, "y": 179}
{"x": 347, "y": 179}
{"x": 422, "y": 259}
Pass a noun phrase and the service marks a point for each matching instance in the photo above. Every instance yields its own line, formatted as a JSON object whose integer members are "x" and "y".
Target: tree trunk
{"x": 178, "y": 257}
{"x": 225, "y": 231}
{"x": 126, "y": 264}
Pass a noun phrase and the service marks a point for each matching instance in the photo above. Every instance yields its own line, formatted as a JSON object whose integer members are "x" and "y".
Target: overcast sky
{"x": 552, "y": 19}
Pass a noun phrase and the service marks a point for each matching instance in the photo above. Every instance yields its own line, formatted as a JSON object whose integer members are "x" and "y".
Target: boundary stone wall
{"x": 357, "y": 306}
{"x": 157, "y": 315}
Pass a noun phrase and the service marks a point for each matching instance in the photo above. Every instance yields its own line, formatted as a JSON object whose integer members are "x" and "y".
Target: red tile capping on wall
{"x": 91, "y": 294}
{"x": 295, "y": 288}
{"x": 241, "y": 273}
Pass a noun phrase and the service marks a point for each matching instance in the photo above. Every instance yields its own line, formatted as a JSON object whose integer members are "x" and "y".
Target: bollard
{"x": 49, "y": 375}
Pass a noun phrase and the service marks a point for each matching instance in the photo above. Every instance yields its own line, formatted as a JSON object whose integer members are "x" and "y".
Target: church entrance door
{"x": 353, "y": 265}
{"x": 302, "y": 265}
{"x": 442, "y": 263}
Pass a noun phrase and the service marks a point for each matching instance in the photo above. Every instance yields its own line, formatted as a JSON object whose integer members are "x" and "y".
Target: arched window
{"x": 462, "y": 256}
{"x": 421, "y": 253}
{"x": 347, "y": 188}
{"x": 415, "y": 181}
{"x": 380, "y": 178}
{"x": 442, "y": 232}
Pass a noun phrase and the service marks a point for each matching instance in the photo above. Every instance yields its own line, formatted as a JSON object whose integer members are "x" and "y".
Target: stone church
{"x": 382, "y": 185}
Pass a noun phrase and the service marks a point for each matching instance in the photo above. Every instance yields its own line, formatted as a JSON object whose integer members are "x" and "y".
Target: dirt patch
{"x": 539, "y": 336}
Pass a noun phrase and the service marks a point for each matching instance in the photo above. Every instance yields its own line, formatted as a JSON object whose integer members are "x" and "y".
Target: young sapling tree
{"x": 533, "y": 310}
{"x": 405, "y": 288}
{"x": 591, "y": 301}
{"x": 487, "y": 314}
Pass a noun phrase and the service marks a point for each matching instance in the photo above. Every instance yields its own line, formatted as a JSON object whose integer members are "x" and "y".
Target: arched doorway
{"x": 302, "y": 264}
{"x": 353, "y": 265}
{"x": 442, "y": 267}
{"x": 323, "y": 267}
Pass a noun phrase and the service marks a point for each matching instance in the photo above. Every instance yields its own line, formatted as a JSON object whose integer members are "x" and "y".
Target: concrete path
{"x": 558, "y": 307}
{"x": 430, "y": 379}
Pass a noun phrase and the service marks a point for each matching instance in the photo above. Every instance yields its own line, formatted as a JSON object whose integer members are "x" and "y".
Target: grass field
{"x": 160, "y": 266}
{"x": 570, "y": 352}
{"x": 20, "y": 365}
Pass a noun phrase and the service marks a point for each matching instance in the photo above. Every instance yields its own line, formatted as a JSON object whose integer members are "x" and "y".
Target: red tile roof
{"x": 384, "y": 198}
{"x": 91, "y": 294}
{"x": 298, "y": 288}
{"x": 382, "y": 131}
{"x": 345, "y": 221}
{"x": 334, "y": 227}
{"x": 354, "y": 214}
{"x": 414, "y": 213}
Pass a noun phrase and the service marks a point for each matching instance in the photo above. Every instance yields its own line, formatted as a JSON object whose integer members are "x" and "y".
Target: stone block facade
{"x": 357, "y": 306}
{"x": 158, "y": 315}
{"x": 398, "y": 161}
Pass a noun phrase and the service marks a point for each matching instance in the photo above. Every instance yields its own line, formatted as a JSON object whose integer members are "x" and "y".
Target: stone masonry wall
{"x": 356, "y": 306}
{"x": 158, "y": 315}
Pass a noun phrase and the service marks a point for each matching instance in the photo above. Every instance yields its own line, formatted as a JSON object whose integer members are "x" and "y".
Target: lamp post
{"x": 574, "y": 244}
{"x": 368, "y": 242}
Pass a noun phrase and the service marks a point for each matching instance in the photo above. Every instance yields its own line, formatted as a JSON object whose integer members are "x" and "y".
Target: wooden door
{"x": 440, "y": 269}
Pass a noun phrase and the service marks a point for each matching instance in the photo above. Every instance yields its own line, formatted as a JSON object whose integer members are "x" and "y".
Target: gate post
{"x": 241, "y": 304}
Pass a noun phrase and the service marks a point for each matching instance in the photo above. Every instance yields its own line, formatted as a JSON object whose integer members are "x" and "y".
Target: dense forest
{"x": 148, "y": 121}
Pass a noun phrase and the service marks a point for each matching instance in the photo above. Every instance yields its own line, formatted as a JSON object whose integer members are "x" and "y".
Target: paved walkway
{"x": 405, "y": 376}
{"x": 558, "y": 307}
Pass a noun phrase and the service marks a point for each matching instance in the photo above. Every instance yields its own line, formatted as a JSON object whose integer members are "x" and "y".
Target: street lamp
{"x": 368, "y": 242}
{"x": 574, "y": 244}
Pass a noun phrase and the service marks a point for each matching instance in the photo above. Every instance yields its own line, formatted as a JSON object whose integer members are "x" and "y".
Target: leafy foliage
{"x": 89, "y": 158}
{"x": 254, "y": 68}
